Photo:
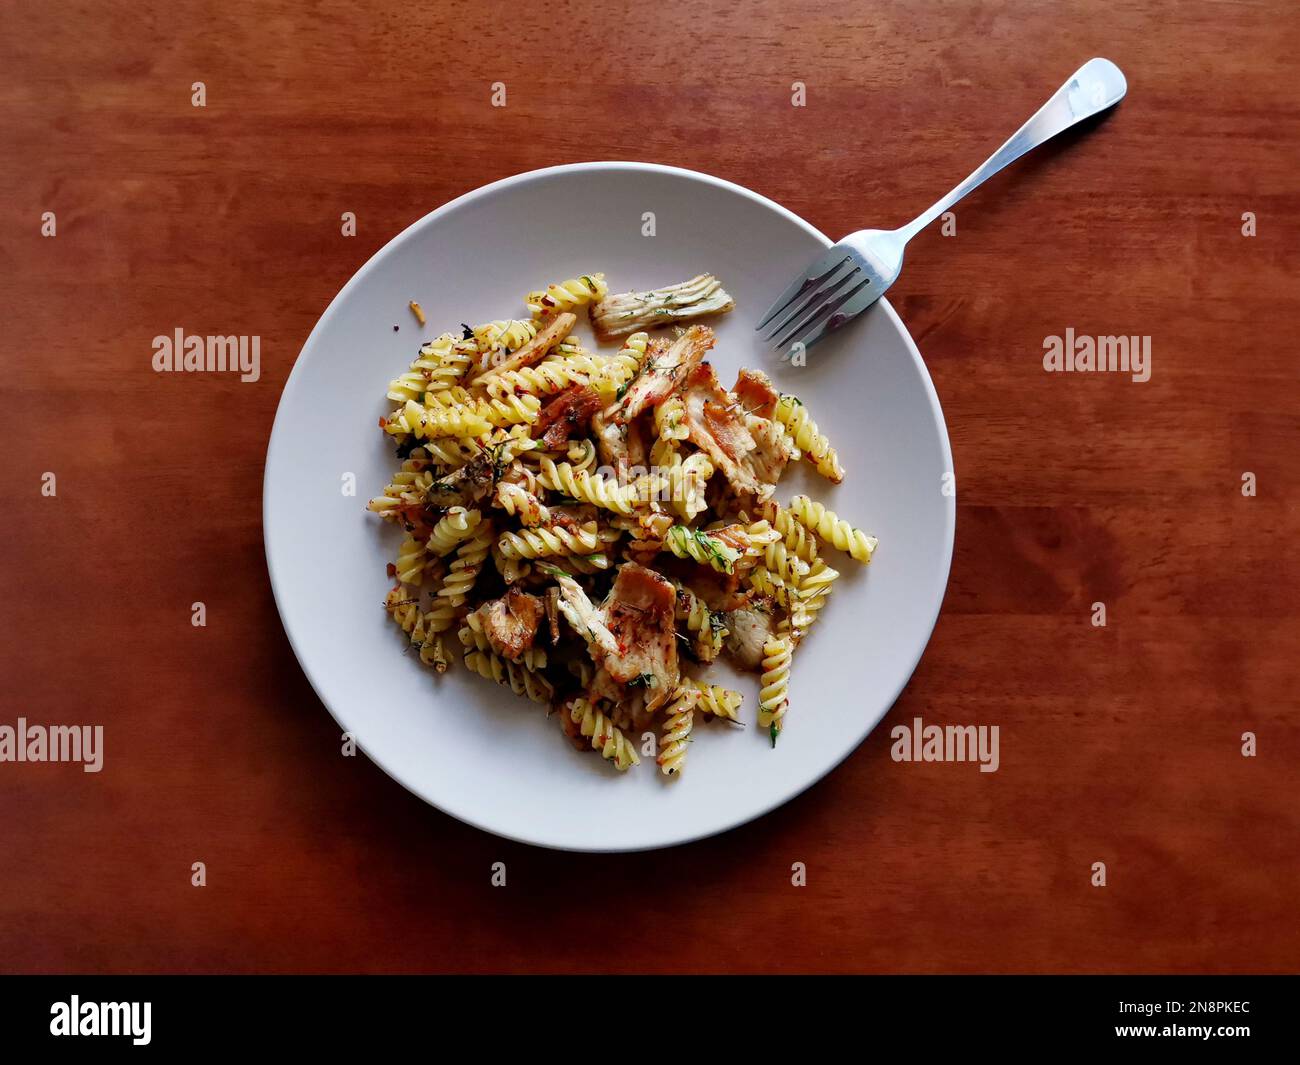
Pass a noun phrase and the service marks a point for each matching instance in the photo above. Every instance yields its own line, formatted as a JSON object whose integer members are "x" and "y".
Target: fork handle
{"x": 1095, "y": 86}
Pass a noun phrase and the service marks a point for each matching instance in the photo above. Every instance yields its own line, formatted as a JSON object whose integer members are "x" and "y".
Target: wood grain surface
{"x": 1120, "y": 744}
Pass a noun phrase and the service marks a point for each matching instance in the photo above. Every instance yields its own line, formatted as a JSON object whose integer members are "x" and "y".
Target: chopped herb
{"x": 774, "y": 732}
{"x": 467, "y": 332}
{"x": 644, "y": 680}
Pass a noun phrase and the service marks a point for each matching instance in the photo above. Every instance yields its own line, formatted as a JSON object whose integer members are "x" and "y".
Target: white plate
{"x": 472, "y": 748}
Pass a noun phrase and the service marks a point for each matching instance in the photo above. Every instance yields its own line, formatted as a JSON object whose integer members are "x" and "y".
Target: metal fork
{"x": 855, "y": 273}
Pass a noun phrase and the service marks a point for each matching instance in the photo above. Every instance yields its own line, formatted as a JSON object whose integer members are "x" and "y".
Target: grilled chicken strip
{"x": 535, "y": 350}
{"x": 756, "y": 393}
{"x": 664, "y": 370}
{"x": 510, "y": 623}
{"x": 749, "y": 630}
{"x": 714, "y": 424}
{"x": 568, "y": 414}
{"x": 640, "y": 612}
{"x": 629, "y": 312}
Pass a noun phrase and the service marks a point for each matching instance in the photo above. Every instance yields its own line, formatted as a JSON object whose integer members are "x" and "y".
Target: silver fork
{"x": 854, "y": 273}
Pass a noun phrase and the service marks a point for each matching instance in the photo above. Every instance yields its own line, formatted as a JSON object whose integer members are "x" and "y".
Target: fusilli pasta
{"x": 832, "y": 529}
{"x": 567, "y": 295}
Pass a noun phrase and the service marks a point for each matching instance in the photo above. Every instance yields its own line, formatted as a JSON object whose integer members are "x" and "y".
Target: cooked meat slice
{"x": 637, "y": 453}
{"x": 664, "y": 370}
{"x": 535, "y": 350}
{"x": 628, "y": 312}
{"x": 750, "y": 629}
{"x": 640, "y": 613}
{"x": 714, "y": 425}
{"x": 604, "y": 689}
{"x": 611, "y": 443}
{"x": 772, "y": 450}
{"x": 553, "y": 613}
{"x": 756, "y": 393}
{"x": 510, "y": 623}
{"x": 720, "y": 591}
{"x": 584, "y": 616}
{"x": 568, "y": 414}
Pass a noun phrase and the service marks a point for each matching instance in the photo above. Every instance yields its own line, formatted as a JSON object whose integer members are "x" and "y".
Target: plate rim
{"x": 278, "y": 428}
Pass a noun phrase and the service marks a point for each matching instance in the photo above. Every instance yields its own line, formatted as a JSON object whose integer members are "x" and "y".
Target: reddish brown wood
{"x": 1119, "y": 744}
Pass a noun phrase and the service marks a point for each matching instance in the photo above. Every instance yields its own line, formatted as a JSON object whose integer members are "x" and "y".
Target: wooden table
{"x": 1119, "y": 744}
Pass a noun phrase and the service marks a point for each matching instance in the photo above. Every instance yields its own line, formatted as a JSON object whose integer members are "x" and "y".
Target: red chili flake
{"x": 392, "y": 569}
{"x": 383, "y": 422}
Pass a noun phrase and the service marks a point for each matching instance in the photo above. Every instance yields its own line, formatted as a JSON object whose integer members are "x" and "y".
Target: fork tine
{"x": 823, "y": 265}
{"x": 858, "y": 301}
{"x": 811, "y": 296}
{"x": 849, "y": 285}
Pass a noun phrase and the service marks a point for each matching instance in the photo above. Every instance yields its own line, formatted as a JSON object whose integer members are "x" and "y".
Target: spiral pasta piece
{"x": 586, "y": 486}
{"x": 440, "y": 364}
{"x": 581, "y": 455}
{"x": 699, "y": 545}
{"x": 460, "y": 578}
{"x": 406, "y": 489}
{"x": 665, "y": 453}
{"x": 583, "y": 565}
{"x": 716, "y": 700}
{"x": 759, "y": 535}
{"x": 508, "y": 409}
{"x": 798, "y": 540}
{"x": 679, "y": 720}
{"x": 552, "y": 540}
{"x": 412, "y": 557}
{"x": 567, "y": 295}
{"x": 791, "y": 413}
{"x": 511, "y": 334}
{"x": 690, "y": 480}
{"x": 784, "y": 563}
{"x": 519, "y": 679}
{"x": 670, "y": 418}
{"x": 605, "y": 738}
{"x": 810, "y": 595}
{"x": 774, "y": 692}
{"x": 454, "y": 527}
{"x": 617, "y": 370}
{"x": 549, "y": 376}
{"x": 706, "y": 626}
{"x": 517, "y": 500}
{"x": 767, "y": 582}
{"x": 403, "y": 606}
{"x": 436, "y": 421}
{"x": 511, "y": 569}
{"x": 832, "y": 528}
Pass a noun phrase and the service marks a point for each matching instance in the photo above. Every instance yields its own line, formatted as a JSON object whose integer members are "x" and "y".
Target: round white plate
{"x": 472, "y": 748}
